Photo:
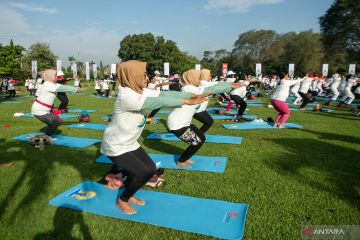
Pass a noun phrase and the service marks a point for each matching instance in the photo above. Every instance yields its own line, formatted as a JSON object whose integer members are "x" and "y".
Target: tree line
{"x": 337, "y": 44}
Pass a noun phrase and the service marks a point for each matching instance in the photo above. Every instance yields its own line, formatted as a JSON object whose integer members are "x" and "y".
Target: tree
{"x": 340, "y": 30}
{"x": 41, "y": 53}
{"x": 155, "y": 51}
{"x": 10, "y": 59}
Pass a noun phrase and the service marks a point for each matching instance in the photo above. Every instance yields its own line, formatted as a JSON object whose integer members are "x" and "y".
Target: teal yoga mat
{"x": 65, "y": 141}
{"x": 209, "y": 138}
{"x": 201, "y": 163}
{"x": 258, "y": 125}
{"x": 215, "y": 218}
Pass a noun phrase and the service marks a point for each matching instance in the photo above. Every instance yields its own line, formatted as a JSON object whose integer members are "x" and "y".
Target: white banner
{"x": 258, "y": 69}
{"x": 197, "y": 67}
{"x": 58, "y": 64}
{"x": 352, "y": 69}
{"x": 113, "y": 69}
{"x": 34, "y": 69}
{"x": 87, "y": 70}
{"x": 167, "y": 68}
{"x": 94, "y": 71}
{"x": 325, "y": 70}
{"x": 74, "y": 69}
{"x": 291, "y": 70}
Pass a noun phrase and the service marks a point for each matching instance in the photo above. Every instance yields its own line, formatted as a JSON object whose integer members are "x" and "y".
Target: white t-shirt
{"x": 342, "y": 84}
{"x": 295, "y": 88}
{"x": 241, "y": 91}
{"x": 204, "y": 83}
{"x": 76, "y": 83}
{"x": 305, "y": 85}
{"x": 127, "y": 123}
{"x": 97, "y": 85}
{"x": 350, "y": 83}
{"x": 282, "y": 90}
{"x": 181, "y": 117}
{"x": 11, "y": 85}
{"x": 230, "y": 80}
{"x": 357, "y": 90}
{"x": 336, "y": 82}
{"x": 105, "y": 85}
{"x": 32, "y": 84}
{"x": 152, "y": 86}
{"x": 46, "y": 95}
{"x": 38, "y": 82}
{"x": 27, "y": 82}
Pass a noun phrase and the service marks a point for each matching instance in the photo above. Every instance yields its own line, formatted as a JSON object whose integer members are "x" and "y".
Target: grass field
{"x": 289, "y": 178}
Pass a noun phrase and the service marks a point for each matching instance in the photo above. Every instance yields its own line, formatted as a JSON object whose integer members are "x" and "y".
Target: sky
{"x": 92, "y": 30}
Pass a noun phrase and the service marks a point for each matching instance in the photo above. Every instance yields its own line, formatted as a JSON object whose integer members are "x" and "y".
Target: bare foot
{"x": 125, "y": 207}
{"x": 137, "y": 201}
{"x": 281, "y": 126}
{"x": 183, "y": 164}
{"x": 189, "y": 161}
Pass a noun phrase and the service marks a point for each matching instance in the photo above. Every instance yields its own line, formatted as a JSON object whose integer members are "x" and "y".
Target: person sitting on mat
{"x": 179, "y": 120}
{"x": 43, "y": 108}
{"x": 278, "y": 100}
{"x": 129, "y": 118}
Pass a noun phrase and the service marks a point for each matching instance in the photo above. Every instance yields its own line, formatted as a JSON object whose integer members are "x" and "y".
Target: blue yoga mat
{"x": 62, "y": 116}
{"x": 258, "y": 125}
{"x": 309, "y": 104}
{"x": 254, "y": 104}
{"x": 92, "y": 126}
{"x": 312, "y": 110}
{"x": 216, "y": 111}
{"x": 209, "y": 138}
{"x": 63, "y": 140}
{"x": 165, "y": 111}
{"x": 253, "y": 101}
{"x": 201, "y": 163}
{"x": 80, "y": 110}
{"x": 224, "y": 117}
{"x": 9, "y": 102}
{"x": 216, "y": 218}
{"x": 108, "y": 118}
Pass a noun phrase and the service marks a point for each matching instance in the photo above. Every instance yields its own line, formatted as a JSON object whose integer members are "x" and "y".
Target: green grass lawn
{"x": 288, "y": 177}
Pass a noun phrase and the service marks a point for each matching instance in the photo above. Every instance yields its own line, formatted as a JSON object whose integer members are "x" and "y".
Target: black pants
{"x": 193, "y": 136}
{"x": 52, "y": 122}
{"x": 305, "y": 98}
{"x": 154, "y": 112}
{"x": 63, "y": 99}
{"x": 98, "y": 91}
{"x": 239, "y": 101}
{"x": 205, "y": 118}
{"x": 138, "y": 168}
{"x": 12, "y": 93}
{"x": 225, "y": 96}
{"x": 106, "y": 93}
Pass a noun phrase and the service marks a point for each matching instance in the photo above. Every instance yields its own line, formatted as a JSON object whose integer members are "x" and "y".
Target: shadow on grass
{"x": 334, "y": 136}
{"x": 36, "y": 176}
{"x": 64, "y": 221}
{"x": 160, "y": 146}
{"x": 334, "y": 115}
{"x": 339, "y": 164}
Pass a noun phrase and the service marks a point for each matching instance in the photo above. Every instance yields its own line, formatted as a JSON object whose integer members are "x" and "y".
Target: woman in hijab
{"x": 179, "y": 120}
{"x": 129, "y": 118}
{"x": 43, "y": 108}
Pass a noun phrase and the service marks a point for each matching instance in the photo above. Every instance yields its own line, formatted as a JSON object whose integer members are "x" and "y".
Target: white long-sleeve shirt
{"x": 282, "y": 90}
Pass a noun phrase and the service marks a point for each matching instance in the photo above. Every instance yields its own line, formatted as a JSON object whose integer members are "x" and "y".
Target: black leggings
{"x": 225, "y": 96}
{"x": 193, "y": 136}
{"x": 12, "y": 93}
{"x": 52, "y": 122}
{"x": 205, "y": 118}
{"x": 63, "y": 99}
{"x": 305, "y": 98}
{"x": 154, "y": 112}
{"x": 239, "y": 101}
{"x": 138, "y": 168}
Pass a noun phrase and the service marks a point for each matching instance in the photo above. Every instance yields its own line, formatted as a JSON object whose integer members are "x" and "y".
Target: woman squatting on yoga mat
{"x": 304, "y": 90}
{"x": 129, "y": 118}
{"x": 278, "y": 100}
{"x": 43, "y": 108}
{"x": 179, "y": 120}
